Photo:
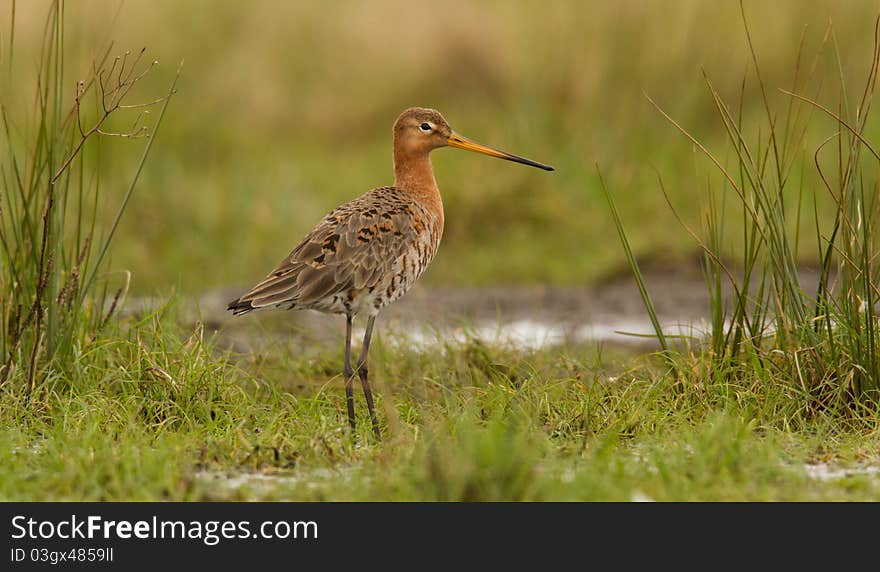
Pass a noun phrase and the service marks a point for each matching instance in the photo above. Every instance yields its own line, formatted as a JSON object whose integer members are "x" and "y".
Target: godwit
{"x": 368, "y": 252}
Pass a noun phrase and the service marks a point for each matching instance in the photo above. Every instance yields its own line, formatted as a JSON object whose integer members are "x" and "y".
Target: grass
{"x": 50, "y": 250}
{"x": 822, "y": 345}
{"x": 155, "y": 414}
{"x": 102, "y": 405}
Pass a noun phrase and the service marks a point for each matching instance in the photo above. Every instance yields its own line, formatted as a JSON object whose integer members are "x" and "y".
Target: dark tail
{"x": 238, "y": 307}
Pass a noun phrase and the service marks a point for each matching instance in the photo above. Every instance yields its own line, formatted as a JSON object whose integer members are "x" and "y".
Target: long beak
{"x": 456, "y": 140}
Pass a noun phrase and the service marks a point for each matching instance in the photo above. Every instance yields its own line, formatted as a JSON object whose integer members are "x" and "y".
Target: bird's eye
{"x": 425, "y": 127}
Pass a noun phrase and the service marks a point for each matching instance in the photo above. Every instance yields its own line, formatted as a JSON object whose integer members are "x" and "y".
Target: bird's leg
{"x": 348, "y": 373}
{"x": 363, "y": 374}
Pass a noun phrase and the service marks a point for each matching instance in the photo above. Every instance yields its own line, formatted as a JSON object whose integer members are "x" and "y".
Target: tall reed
{"x": 821, "y": 338}
{"x": 53, "y": 290}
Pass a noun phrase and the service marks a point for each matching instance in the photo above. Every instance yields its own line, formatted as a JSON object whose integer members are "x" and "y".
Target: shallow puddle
{"x": 833, "y": 472}
{"x": 527, "y": 317}
{"x": 256, "y": 485}
{"x": 534, "y": 334}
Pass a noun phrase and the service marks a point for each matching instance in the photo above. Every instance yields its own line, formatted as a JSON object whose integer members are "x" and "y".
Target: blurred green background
{"x": 284, "y": 110}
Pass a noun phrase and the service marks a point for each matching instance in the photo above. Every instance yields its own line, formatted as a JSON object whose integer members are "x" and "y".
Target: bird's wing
{"x": 350, "y": 249}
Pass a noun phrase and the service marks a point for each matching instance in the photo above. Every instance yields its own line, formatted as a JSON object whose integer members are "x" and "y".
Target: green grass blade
{"x": 633, "y": 264}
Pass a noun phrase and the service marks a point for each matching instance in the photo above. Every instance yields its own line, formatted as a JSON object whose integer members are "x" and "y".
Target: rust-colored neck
{"x": 414, "y": 174}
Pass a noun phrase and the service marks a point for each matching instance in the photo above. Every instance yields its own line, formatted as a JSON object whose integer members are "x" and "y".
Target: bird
{"x": 368, "y": 252}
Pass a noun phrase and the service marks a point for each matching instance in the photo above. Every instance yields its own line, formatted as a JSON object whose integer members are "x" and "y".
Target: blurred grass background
{"x": 284, "y": 110}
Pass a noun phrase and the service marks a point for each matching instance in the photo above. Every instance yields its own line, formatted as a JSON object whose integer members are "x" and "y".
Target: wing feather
{"x": 353, "y": 247}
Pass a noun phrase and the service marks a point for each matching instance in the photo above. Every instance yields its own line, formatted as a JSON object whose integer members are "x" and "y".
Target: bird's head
{"x": 420, "y": 130}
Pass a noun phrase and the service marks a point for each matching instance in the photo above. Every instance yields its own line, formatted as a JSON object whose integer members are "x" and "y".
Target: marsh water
{"x": 529, "y": 317}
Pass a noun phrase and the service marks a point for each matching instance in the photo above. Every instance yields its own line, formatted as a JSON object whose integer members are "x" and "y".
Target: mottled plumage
{"x": 368, "y": 252}
{"x": 361, "y": 257}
